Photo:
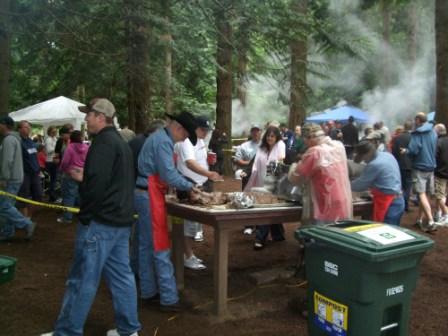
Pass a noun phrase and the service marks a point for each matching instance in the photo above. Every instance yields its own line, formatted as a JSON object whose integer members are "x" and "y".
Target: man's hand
{"x": 214, "y": 176}
{"x": 195, "y": 190}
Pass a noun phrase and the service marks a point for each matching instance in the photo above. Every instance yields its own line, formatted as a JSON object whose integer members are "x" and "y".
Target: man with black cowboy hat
{"x": 156, "y": 172}
{"x": 102, "y": 240}
{"x": 11, "y": 178}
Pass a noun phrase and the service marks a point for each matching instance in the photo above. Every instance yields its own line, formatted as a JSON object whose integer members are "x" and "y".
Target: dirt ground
{"x": 30, "y": 303}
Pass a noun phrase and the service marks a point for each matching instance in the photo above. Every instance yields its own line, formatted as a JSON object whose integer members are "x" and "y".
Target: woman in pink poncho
{"x": 324, "y": 165}
{"x": 272, "y": 148}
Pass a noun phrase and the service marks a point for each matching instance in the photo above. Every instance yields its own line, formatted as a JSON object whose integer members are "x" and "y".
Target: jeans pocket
{"x": 91, "y": 244}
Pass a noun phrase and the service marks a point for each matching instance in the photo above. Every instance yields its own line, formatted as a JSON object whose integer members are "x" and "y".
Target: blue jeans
{"x": 395, "y": 211}
{"x": 70, "y": 194}
{"x": 100, "y": 250}
{"x": 52, "y": 169}
{"x": 406, "y": 183}
{"x": 277, "y": 232}
{"x": 155, "y": 269}
{"x": 13, "y": 218}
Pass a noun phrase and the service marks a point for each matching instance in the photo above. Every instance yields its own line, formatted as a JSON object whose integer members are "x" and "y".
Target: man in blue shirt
{"x": 382, "y": 176}
{"x": 156, "y": 172}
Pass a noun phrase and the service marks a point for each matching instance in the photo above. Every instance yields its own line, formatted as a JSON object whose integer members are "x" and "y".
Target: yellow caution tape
{"x": 47, "y": 205}
{"x": 362, "y": 227}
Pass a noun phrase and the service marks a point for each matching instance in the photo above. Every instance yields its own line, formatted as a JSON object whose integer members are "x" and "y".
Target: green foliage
{"x": 79, "y": 48}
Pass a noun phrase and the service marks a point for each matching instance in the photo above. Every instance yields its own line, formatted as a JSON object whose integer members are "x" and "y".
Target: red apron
{"x": 381, "y": 203}
{"x": 156, "y": 191}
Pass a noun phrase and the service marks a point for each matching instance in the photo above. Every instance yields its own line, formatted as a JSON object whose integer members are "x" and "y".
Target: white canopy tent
{"x": 54, "y": 112}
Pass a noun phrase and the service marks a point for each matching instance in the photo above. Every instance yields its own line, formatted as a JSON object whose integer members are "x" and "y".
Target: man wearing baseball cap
{"x": 382, "y": 177}
{"x": 102, "y": 241}
{"x": 11, "y": 178}
{"x": 191, "y": 161}
{"x": 156, "y": 172}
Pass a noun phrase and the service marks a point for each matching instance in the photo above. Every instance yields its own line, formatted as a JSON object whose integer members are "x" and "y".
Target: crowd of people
{"x": 119, "y": 174}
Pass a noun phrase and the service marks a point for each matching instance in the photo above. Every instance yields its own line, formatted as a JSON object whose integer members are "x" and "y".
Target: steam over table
{"x": 227, "y": 220}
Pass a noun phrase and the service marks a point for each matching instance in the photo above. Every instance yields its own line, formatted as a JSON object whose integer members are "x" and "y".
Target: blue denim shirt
{"x": 157, "y": 158}
{"x": 381, "y": 173}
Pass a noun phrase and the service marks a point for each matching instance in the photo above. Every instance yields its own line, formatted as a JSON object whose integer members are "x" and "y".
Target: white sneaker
{"x": 199, "y": 236}
{"x": 248, "y": 231}
{"x": 432, "y": 226}
{"x": 197, "y": 259}
{"x": 444, "y": 220}
{"x": 47, "y": 334}
{"x": 114, "y": 332}
{"x": 63, "y": 220}
{"x": 194, "y": 264}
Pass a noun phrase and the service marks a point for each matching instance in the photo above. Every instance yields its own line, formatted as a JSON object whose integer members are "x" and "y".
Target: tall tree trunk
{"x": 243, "y": 46}
{"x": 168, "y": 73}
{"x": 167, "y": 40}
{"x": 442, "y": 61}
{"x": 224, "y": 71}
{"x": 299, "y": 50}
{"x": 4, "y": 57}
{"x": 385, "y": 13}
{"x": 138, "y": 81}
{"x": 413, "y": 30}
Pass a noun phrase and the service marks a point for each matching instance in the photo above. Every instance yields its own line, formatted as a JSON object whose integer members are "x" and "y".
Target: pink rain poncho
{"x": 325, "y": 166}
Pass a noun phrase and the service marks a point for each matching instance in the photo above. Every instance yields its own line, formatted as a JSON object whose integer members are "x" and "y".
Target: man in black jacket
{"x": 404, "y": 161}
{"x": 350, "y": 137}
{"x": 102, "y": 241}
{"x": 441, "y": 173}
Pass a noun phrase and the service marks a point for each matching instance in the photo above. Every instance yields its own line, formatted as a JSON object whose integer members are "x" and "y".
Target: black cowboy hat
{"x": 188, "y": 121}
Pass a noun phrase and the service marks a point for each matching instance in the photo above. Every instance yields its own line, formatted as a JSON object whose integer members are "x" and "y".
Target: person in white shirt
{"x": 244, "y": 159}
{"x": 50, "y": 165}
{"x": 191, "y": 162}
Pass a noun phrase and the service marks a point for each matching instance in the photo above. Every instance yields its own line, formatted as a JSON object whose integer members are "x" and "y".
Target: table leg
{"x": 178, "y": 250}
{"x": 220, "y": 274}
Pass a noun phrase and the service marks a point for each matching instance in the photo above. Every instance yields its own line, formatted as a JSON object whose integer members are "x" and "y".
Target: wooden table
{"x": 224, "y": 221}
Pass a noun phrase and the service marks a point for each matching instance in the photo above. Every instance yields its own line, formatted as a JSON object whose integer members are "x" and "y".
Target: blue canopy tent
{"x": 341, "y": 114}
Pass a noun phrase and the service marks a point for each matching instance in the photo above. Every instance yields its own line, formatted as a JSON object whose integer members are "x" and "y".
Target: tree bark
{"x": 442, "y": 61}
{"x": 413, "y": 30}
{"x": 299, "y": 50}
{"x": 138, "y": 80}
{"x": 385, "y": 13}
{"x": 167, "y": 39}
{"x": 243, "y": 46}
{"x": 4, "y": 56}
{"x": 224, "y": 70}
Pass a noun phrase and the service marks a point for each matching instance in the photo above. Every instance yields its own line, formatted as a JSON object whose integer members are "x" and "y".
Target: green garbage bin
{"x": 7, "y": 268}
{"x": 360, "y": 277}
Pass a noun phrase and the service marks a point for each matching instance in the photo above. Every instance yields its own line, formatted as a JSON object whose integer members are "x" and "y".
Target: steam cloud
{"x": 412, "y": 87}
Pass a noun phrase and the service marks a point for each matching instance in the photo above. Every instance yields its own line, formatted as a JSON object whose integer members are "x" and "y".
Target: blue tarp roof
{"x": 340, "y": 114}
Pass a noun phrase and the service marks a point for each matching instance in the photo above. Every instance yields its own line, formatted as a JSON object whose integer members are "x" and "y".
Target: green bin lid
{"x": 368, "y": 240}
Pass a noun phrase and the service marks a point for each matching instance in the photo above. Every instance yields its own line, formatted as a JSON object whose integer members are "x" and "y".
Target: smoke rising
{"x": 411, "y": 85}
